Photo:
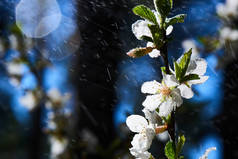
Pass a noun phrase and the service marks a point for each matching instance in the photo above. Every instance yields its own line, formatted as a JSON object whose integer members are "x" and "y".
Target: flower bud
{"x": 139, "y": 52}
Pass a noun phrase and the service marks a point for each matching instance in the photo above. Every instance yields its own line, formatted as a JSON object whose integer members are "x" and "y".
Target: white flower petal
{"x": 201, "y": 67}
{"x": 154, "y": 54}
{"x": 166, "y": 108}
{"x": 140, "y": 28}
{"x": 150, "y": 87}
{"x": 170, "y": 80}
{"x": 141, "y": 142}
{"x": 136, "y": 123}
{"x": 199, "y": 81}
{"x": 205, "y": 155}
{"x": 176, "y": 97}
{"x": 150, "y": 115}
{"x": 140, "y": 154}
{"x": 28, "y": 100}
{"x": 152, "y": 101}
{"x": 185, "y": 91}
{"x": 169, "y": 30}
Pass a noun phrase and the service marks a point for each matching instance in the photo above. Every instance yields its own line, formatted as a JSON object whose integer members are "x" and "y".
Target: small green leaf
{"x": 156, "y": 34}
{"x": 178, "y": 71}
{"x": 145, "y": 12}
{"x": 169, "y": 150}
{"x": 179, "y": 146}
{"x": 181, "y": 157}
{"x": 163, "y": 7}
{"x": 184, "y": 62}
{"x": 190, "y": 77}
{"x": 163, "y": 69}
{"x": 147, "y": 38}
{"x": 176, "y": 19}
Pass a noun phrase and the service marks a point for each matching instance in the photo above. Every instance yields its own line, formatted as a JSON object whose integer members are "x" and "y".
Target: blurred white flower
{"x": 146, "y": 132}
{"x": 230, "y": 8}
{"x": 13, "y": 41}
{"x": 140, "y": 154}
{"x": 197, "y": 66}
{"x": 154, "y": 53}
{"x": 14, "y": 81}
{"x": 164, "y": 96}
{"x": 188, "y": 44}
{"x": 37, "y": 19}
{"x": 56, "y": 98}
{"x": 15, "y": 68}
{"x": 90, "y": 140}
{"x": 57, "y": 146}
{"x": 28, "y": 100}
{"x": 227, "y": 33}
{"x": 205, "y": 155}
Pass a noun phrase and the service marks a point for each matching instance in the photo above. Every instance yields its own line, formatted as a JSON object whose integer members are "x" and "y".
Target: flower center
{"x": 165, "y": 90}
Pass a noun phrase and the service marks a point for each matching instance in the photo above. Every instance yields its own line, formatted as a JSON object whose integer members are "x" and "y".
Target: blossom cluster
{"x": 163, "y": 98}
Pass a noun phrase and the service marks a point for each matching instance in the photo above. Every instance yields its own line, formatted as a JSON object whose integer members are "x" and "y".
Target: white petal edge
{"x": 170, "y": 80}
{"x": 169, "y": 30}
{"x": 140, "y": 28}
{"x": 152, "y": 102}
{"x": 176, "y": 97}
{"x": 140, "y": 142}
{"x": 166, "y": 108}
{"x": 136, "y": 123}
{"x": 185, "y": 91}
{"x": 201, "y": 66}
{"x": 150, "y": 87}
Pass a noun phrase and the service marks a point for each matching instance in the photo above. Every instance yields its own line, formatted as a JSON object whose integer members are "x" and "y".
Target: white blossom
{"x": 57, "y": 146}
{"x": 145, "y": 132}
{"x": 230, "y": 8}
{"x": 13, "y": 41}
{"x": 155, "y": 53}
{"x": 15, "y": 68}
{"x": 163, "y": 95}
{"x": 56, "y": 98}
{"x": 140, "y": 154}
{"x": 28, "y": 100}
{"x": 188, "y": 44}
{"x": 197, "y": 66}
{"x": 227, "y": 33}
{"x": 205, "y": 155}
{"x": 140, "y": 28}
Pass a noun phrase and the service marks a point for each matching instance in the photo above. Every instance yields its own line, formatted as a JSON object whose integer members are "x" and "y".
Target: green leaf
{"x": 156, "y": 34}
{"x": 190, "y": 77}
{"x": 169, "y": 150}
{"x": 181, "y": 157}
{"x": 177, "y": 71}
{"x": 163, "y": 69}
{"x": 184, "y": 62}
{"x": 147, "y": 38}
{"x": 163, "y": 7}
{"x": 179, "y": 146}
{"x": 145, "y": 12}
{"x": 176, "y": 19}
